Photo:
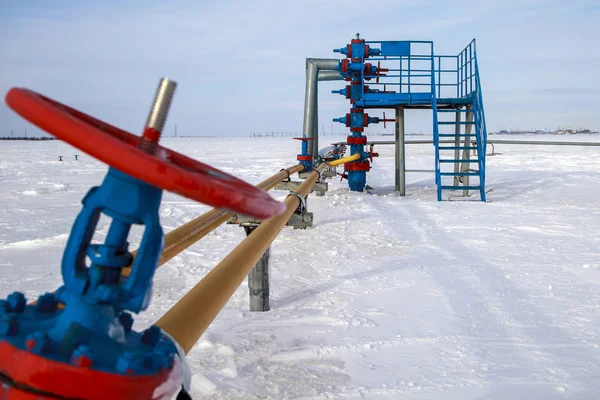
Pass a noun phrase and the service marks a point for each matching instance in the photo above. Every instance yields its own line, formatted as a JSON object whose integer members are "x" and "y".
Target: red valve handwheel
{"x": 372, "y": 154}
{"x": 165, "y": 169}
{"x": 379, "y": 72}
{"x": 386, "y": 120}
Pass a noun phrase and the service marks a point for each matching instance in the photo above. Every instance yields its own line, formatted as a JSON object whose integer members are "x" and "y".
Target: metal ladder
{"x": 457, "y": 167}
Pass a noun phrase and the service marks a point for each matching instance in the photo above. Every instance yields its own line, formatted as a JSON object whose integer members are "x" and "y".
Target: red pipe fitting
{"x": 357, "y": 140}
{"x": 362, "y": 165}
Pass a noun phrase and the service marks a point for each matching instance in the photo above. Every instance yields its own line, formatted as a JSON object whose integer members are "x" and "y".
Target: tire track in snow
{"x": 486, "y": 314}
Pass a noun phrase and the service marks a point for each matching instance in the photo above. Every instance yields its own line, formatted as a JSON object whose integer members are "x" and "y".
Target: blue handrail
{"x": 435, "y": 122}
{"x": 482, "y": 124}
{"x": 410, "y": 73}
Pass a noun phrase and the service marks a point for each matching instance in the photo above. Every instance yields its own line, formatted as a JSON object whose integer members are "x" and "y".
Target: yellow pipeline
{"x": 189, "y": 233}
{"x": 187, "y": 320}
{"x": 344, "y": 160}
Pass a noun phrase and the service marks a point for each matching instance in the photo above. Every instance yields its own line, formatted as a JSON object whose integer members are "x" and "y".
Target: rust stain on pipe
{"x": 187, "y": 320}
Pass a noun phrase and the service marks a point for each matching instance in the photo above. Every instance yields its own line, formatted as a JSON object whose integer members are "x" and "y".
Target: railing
{"x": 410, "y": 74}
{"x": 456, "y": 75}
{"x": 466, "y": 71}
{"x": 480, "y": 125}
{"x": 436, "y": 132}
{"x": 416, "y": 75}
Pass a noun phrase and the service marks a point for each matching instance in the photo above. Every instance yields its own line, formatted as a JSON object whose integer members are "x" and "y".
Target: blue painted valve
{"x": 304, "y": 158}
{"x": 354, "y": 69}
{"x": 83, "y": 333}
{"x": 79, "y": 343}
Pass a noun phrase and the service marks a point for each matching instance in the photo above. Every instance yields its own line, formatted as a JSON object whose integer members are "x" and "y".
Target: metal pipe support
{"x": 187, "y": 320}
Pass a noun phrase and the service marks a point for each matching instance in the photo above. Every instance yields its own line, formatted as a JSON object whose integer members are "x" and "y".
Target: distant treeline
{"x": 28, "y": 138}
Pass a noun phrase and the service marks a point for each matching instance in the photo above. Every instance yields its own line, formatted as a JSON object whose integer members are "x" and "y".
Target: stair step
{"x": 456, "y": 135}
{"x": 459, "y": 173}
{"x": 454, "y": 110}
{"x": 461, "y": 187}
{"x": 456, "y": 122}
{"x": 457, "y": 148}
{"x": 459, "y": 161}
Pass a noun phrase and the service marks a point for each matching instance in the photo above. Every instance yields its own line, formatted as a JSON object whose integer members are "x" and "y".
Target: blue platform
{"x": 448, "y": 84}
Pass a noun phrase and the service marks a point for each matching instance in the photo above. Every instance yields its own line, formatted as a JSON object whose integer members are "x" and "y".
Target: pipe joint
{"x": 302, "y": 199}
{"x": 286, "y": 179}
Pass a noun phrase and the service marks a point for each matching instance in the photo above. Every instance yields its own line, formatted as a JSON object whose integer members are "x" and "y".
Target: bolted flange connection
{"x": 355, "y": 70}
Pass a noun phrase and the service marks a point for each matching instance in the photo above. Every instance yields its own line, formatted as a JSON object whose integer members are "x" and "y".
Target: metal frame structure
{"x": 78, "y": 342}
{"x": 404, "y": 75}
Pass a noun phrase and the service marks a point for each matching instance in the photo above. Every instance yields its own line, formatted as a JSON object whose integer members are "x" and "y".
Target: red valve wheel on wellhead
{"x": 164, "y": 168}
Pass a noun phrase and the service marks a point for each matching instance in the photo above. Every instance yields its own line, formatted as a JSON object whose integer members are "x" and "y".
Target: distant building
{"x": 540, "y": 131}
{"x": 573, "y": 131}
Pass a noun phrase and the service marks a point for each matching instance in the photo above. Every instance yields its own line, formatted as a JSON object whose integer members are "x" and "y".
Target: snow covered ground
{"x": 386, "y": 297}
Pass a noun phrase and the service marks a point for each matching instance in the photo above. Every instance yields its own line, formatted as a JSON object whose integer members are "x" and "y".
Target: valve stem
{"x": 158, "y": 115}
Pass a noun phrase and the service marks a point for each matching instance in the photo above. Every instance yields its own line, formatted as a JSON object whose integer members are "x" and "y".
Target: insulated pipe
{"x": 326, "y": 64}
{"x": 315, "y": 128}
{"x": 310, "y": 126}
{"x": 329, "y": 76}
{"x": 494, "y": 141}
{"x": 400, "y": 153}
{"x": 344, "y": 160}
{"x": 187, "y": 320}
{"x": 310, "y": 104}
{"x": 189, "y": 233}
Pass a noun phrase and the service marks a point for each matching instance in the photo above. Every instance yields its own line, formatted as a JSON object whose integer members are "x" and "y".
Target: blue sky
{"x": 240, "y": 64}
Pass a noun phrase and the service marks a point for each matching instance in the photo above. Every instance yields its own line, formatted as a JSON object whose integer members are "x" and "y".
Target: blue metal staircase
{"x": 459, "y": 130}
{"x": 409, "y": 75}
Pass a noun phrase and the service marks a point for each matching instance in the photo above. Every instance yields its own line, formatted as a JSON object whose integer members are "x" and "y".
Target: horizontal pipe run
{"x": 187, "y": 320}
{"x": 344, "y": 160}
{"x": 492, "y": 141}
{"x": 329, "y": 76}
{"x": 381, "y": 142}
{"x": 544, "y": 142}
{"x": 328, "y": 64}
{"x": 189, "y": 233}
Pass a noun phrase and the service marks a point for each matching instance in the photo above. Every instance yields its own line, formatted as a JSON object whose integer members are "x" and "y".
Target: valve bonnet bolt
{"x": 46, "y": 303}
{"x": 17, "y": 302}
{"x": 151, "y": 336}
{"x": 126, "y": 321}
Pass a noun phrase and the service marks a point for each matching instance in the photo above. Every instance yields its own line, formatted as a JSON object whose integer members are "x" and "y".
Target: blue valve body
{"x": 94, "y": 324}
{"x": 355, "y": 70}
{"x": 304, "y": 158}
{"x": 357, "y": 180}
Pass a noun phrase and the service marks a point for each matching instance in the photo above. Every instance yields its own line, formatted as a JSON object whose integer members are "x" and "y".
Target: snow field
{"x": 386, "y": 297}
